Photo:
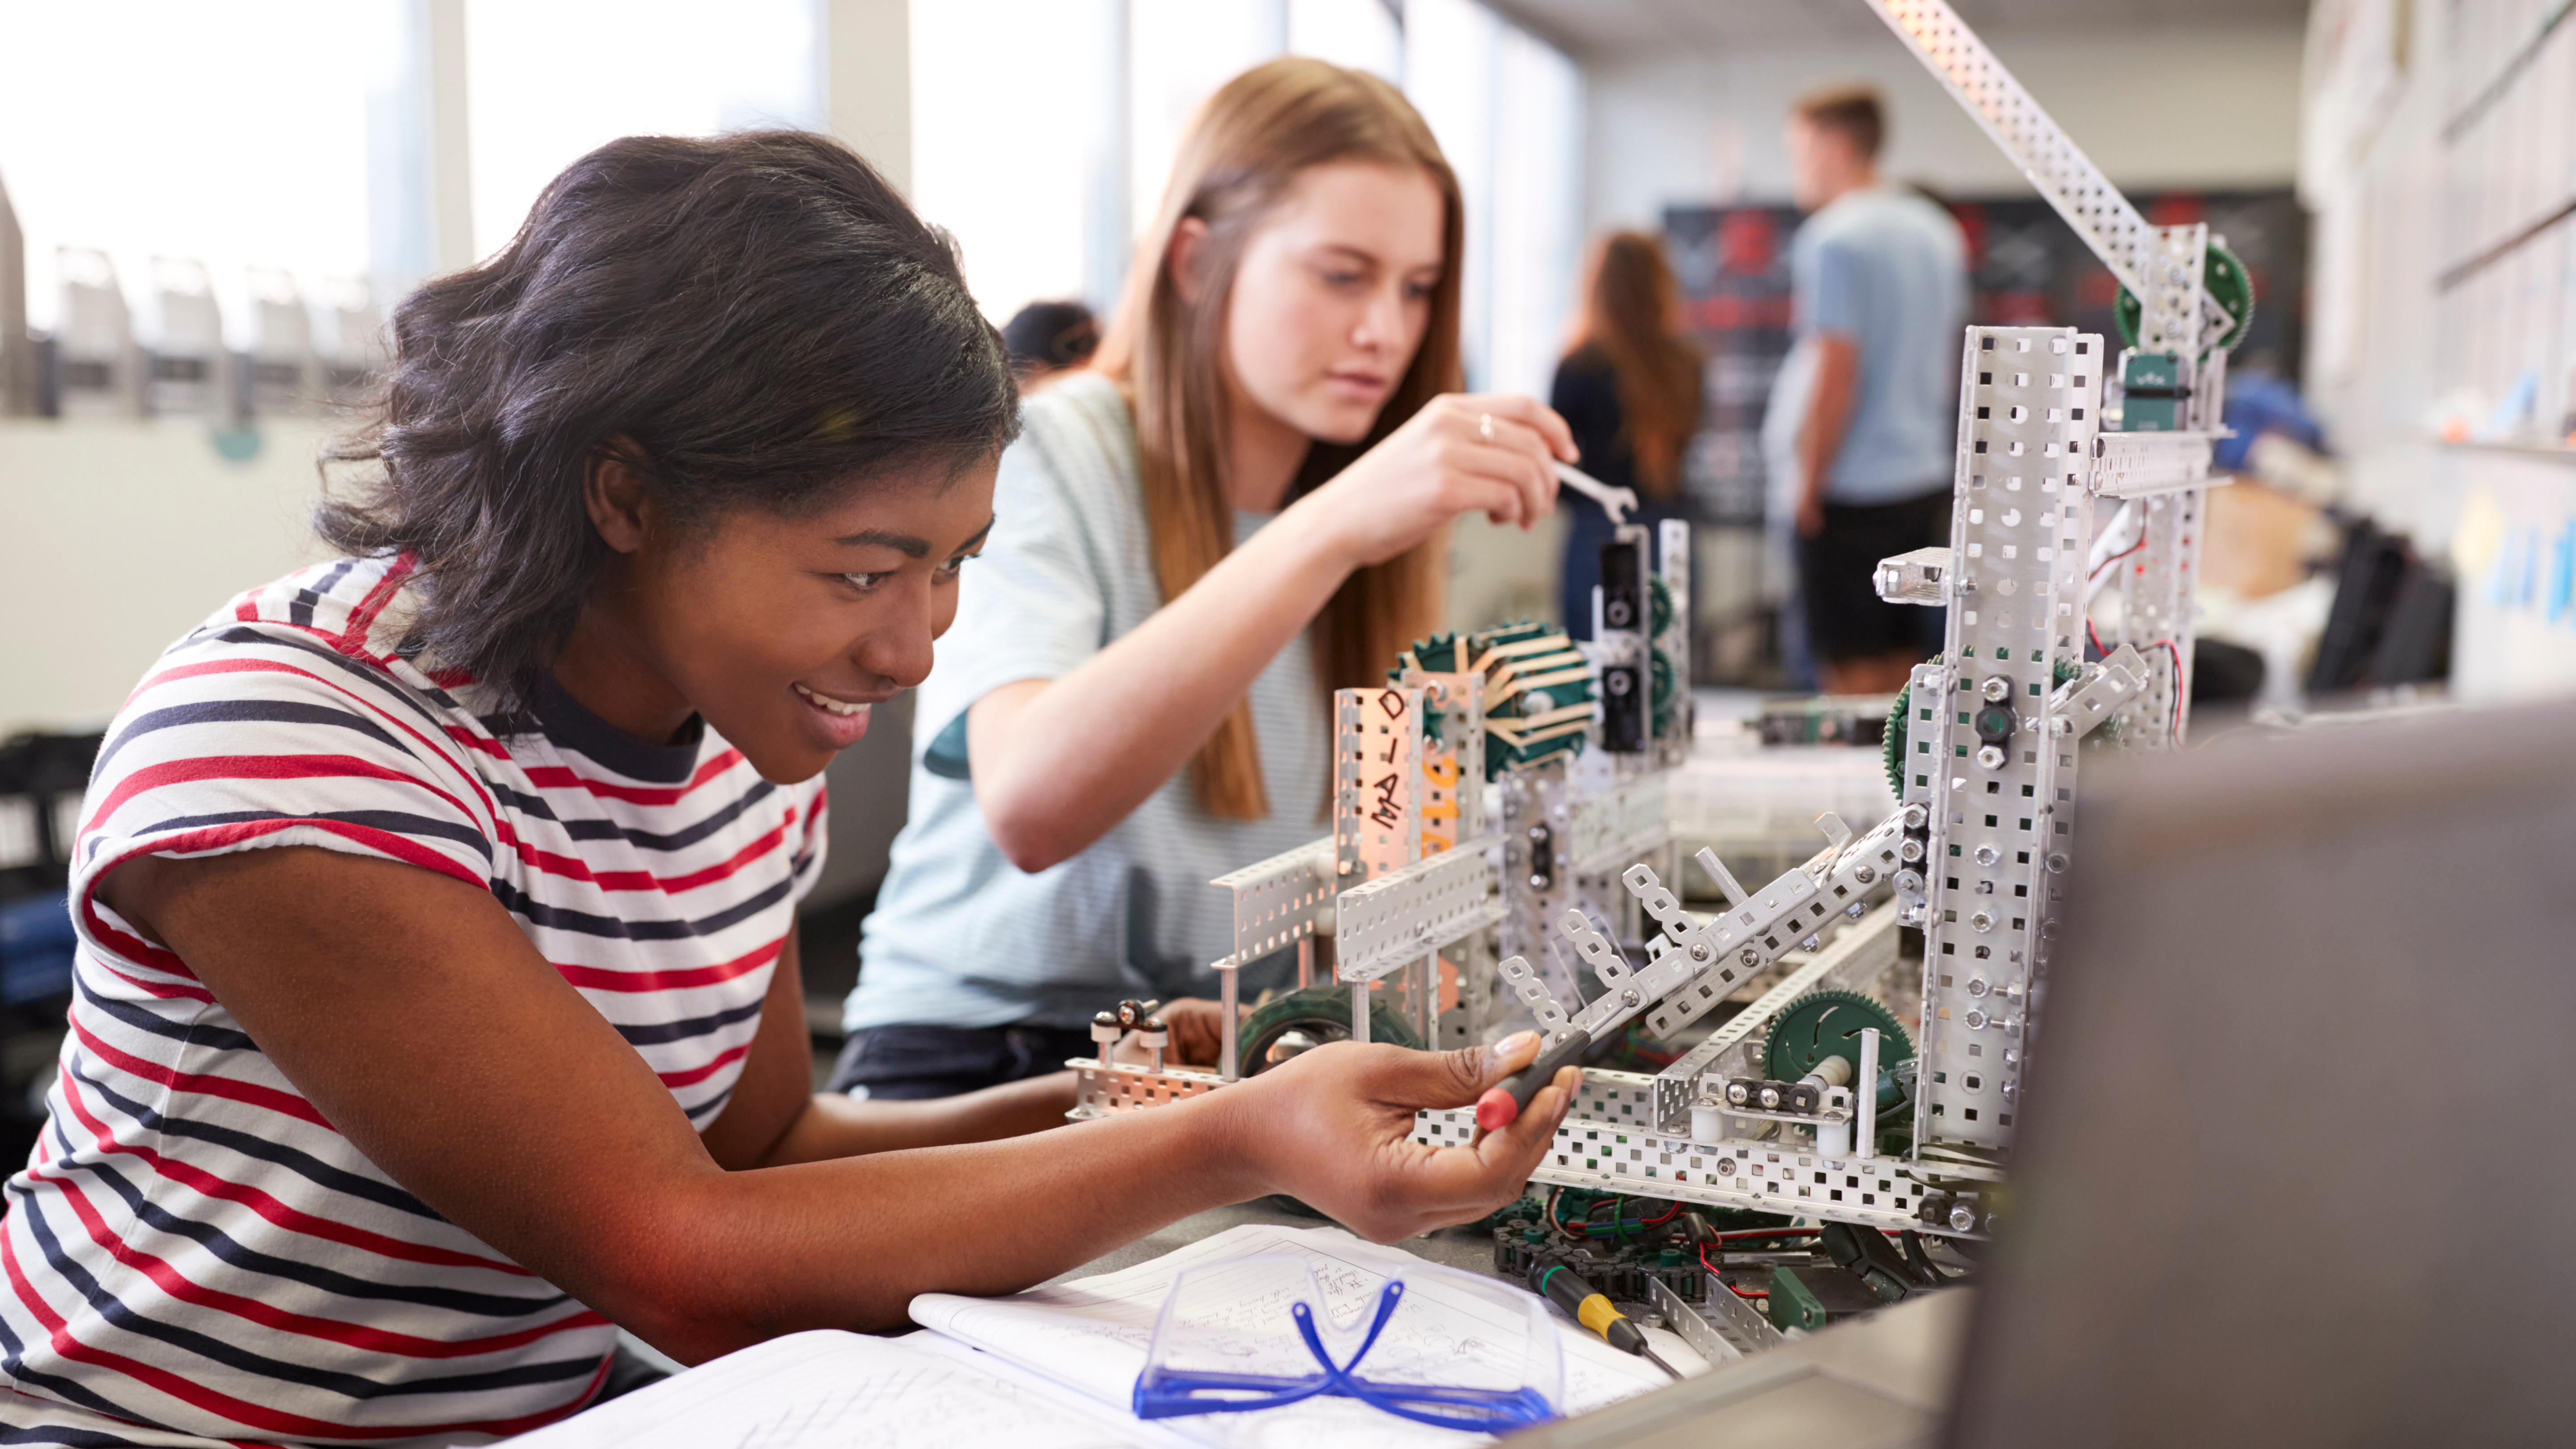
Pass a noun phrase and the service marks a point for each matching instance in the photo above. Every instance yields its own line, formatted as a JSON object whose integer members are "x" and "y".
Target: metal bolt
{"x": 1987, "y": 855}
{"x": 1538, "y": 832}
{"x": 1910, "y": 914}
{"x": 1538, "y": 882}
{"x": 1963, "y": 1218}
{"x": 1739, "y": 1093}
{"x": 2057, "y": 861}
{"x": 1916, "y": 816}
{"x": 1909, "y": 850}
{"x": 1977, "y": 986}
{"x": 1809, "y": 943}
{"x": 2011, "y": 1057}
{"x": 1630, "y": 997}
{"x": 1982, "y": 920}
{"x": 1975, "y": 1019}
{"x": 1990, "y": 757}
{"x": 1699, "y": 952}
{"x": 1853, "y": 910}
{"x": 1909, "y": 882}
{"x": 2011, "y": 1090}
{"x": 1996, "y": 689}
{"x": 1750, "y": 957}
{"x": 1865, "y": 874}
{"x": 1725, "y": 1165}
{"x": 1769, "y": 1097}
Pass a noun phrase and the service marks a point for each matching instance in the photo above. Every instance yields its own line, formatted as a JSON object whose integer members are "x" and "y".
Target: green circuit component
{"x": 1811, "y": 1297}
{"x": 2151, "y": 386}
{"x": 1792, "y": 1304}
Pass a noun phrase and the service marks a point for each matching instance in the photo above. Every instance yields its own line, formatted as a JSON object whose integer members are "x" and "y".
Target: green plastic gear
{"x": 1453, "y": 653}
{"x": 1323, "y": 1014}
{"x": 1438, "y": 654}
{"x": 1825, "y": 1024}
{"x": 1499, "y": 756}
{"x": 2229, "y": 286}
{"x": 1659, "y": 606}
{"x": 1891, "y": 741}
{"x": 1660, "y": 690}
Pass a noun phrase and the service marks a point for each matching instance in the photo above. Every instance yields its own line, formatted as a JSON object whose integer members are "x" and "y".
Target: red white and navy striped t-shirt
{"x": 191, "y": 1247}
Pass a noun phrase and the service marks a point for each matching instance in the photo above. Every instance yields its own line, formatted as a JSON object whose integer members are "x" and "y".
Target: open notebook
{"x": 1048, "y": 1369}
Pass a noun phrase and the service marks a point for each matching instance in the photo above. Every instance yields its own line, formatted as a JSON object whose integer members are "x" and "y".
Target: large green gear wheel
{"x": 1825, "y": 1024}
{"x": 1659, "y": 606}
{"x": 1891, "y": 743}
{"x": 2230, "y": 286}
{"x": 1320, "y": 1013}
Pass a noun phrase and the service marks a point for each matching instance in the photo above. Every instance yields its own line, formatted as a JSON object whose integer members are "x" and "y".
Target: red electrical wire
{"x": 2124, "y": 553}
{"x": 1715, "y": 1277}
{"x": 2173, "y": 726}
{"x": 1671, "y": 1211}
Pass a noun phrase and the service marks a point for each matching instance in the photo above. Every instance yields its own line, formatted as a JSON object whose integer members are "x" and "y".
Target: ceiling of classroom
{"x": 1616, "y": 27}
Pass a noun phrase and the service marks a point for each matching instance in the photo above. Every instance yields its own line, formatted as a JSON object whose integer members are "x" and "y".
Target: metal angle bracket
{"x": 1415, "y": 910}
{"x": 1597, "y": 951}
{"x": 1532, "y": 992}
{"x": 1283, "y": 900}
{"x": 1918, "y": 577}
{"x": 2139, "y": 465}
{"x": 2087, "y": 702}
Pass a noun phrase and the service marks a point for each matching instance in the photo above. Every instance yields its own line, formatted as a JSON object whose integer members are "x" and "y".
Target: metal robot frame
{"x": 1976, "y": 854}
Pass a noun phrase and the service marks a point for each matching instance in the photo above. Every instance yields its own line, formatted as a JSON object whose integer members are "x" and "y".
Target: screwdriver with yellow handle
{"x": 1553, "y": 1279}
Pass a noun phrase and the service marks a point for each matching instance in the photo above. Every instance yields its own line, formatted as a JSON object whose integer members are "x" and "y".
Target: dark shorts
{"x": 907, "y": 1063}
{"x": 1845, "y": 617}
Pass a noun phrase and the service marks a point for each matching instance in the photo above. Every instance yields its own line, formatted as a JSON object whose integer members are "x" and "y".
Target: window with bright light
{"x": 1360, "y": 34}
{"x": 1535, "y": 243}
{"x": 549, "y": 80}
{"x": 1016, "y": 145}
{"x": 233, "y": 136}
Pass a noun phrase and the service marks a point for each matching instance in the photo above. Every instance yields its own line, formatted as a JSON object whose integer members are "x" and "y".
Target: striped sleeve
{"x": 251, "y": 735}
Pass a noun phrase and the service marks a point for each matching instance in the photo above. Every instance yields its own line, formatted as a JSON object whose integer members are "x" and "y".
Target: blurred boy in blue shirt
{"x": 1880, "y": 289}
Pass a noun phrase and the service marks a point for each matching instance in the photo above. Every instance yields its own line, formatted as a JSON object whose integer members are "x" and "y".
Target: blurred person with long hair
{"x": 1241, "y": 506}
{"x": 1629, "y": 389}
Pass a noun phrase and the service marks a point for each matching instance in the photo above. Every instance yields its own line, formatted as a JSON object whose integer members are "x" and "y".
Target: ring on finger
{"x": 1485, "y": 427}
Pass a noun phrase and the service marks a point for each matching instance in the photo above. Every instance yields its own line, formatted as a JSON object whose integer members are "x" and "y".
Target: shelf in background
{"x": 2521, "y": 59}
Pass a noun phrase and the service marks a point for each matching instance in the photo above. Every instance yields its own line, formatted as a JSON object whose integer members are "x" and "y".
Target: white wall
{"x": 120, "y": 537}
{"x": 2154, "y": 108}
{"x": 2390, "y": 350}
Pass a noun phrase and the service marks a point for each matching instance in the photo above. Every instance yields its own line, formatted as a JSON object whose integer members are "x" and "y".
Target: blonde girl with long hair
{"x": 1241, "y": 507}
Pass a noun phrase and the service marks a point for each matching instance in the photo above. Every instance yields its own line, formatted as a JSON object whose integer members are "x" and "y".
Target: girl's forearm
{"x": 733, "y": 1258}
{"x": 1055, "y": 767}
{"x": 833, "y": 1126}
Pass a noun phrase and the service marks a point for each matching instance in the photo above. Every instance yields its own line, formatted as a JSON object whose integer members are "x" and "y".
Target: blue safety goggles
{"x": 1435, "y": 1346}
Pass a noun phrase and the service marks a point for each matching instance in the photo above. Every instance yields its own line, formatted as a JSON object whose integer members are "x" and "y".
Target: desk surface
{"x": 1468, "y": 1247}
